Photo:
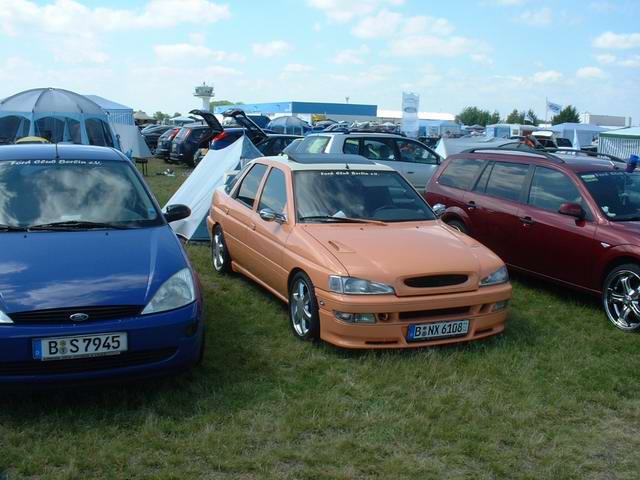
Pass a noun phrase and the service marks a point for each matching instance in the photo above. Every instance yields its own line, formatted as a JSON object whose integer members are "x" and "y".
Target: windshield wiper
{"x": 11, "y": 228}
{"x": 75, "y": 225}
{"x": 328, "y": 218}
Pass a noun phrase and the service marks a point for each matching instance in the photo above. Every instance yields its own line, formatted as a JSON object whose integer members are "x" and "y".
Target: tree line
{"x": 477, "y": 116}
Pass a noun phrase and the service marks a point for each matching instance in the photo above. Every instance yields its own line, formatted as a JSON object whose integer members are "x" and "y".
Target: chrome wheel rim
{"x": 218, "y": 251}
{"x": 621, "y": 300}
{"x": 301, "y": 308}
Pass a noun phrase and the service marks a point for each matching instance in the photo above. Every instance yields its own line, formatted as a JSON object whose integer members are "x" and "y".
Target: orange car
{"x": 357, "y": 253}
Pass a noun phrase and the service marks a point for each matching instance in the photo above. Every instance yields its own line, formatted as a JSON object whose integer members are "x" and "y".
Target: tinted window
{"x": 564, "y": 142}
{"x": 617, "y": 193}
{"x": 415, "y": 153}
{"x": 551, "y": 188}
{"x": 484, "y": 178}
{"x": 274, "y": 194}
{"x": 378, "y": 149}
{"x": 36, "y": 192}
{"x": 98, "y": 133}
{"x": 12, "y": 128}
{"x": 506, "y": 180}
{"x": 250, "y": 184}
{"x": 460, "y": 173}
{"x": 313, "y": 144}
{"x": 329, "y": 196}
{"x": 351, "y": 146}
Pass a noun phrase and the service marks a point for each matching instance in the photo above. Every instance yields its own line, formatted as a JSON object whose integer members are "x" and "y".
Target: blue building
{"x": 336, "y": 111}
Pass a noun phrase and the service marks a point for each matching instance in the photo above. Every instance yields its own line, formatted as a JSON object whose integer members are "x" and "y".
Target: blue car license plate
{"x": 81, "y": 346}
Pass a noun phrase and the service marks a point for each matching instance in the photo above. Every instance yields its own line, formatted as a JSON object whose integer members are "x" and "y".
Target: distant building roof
{"x": 292, "y": 107}
{"x": 632, "y": 132}
{"x": 421, "y": 115}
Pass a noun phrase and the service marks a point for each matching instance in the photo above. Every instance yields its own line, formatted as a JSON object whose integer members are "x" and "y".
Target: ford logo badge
{"x": 79, "y": 317}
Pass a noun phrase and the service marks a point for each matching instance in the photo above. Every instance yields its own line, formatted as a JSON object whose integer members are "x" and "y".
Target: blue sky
{"x": 496, "y": 54}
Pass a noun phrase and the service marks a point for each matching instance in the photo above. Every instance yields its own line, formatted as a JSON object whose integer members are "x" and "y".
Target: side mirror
{"x": 438, "y": 209}
{"x": 269, "y": 215}
{"x": 176, "y": 212}
{"x": 572, "y": 210}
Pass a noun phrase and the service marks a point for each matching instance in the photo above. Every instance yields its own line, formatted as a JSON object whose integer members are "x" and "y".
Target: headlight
{"x": 357, "y": 286}
{"x": 499, "y": 276}
{"x": 4, "y": 318}
{"x": 176, "y": 292}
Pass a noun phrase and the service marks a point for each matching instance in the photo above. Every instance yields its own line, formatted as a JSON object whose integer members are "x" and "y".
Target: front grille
{"x": 440, "y": 312}
{"x": 434, "y": 281}
{"x": 61, "y": 315}
{"x": 53, "y": 367}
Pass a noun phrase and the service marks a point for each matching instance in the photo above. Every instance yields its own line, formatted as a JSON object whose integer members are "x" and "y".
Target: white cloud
{"x": 590, "y": 72}
{"x": 541, "y": 17}
{"x": 186, "y": 53}
{"x": 346, "y": 11}
{"x": 547, "y": 76}
{"x": 630, "y": 62}
{"x": 510, "y": 3}
{"x": 618, "y": 41}
{"x": 481, "y": 58}
{"x": 351, "y": 56}
{"x": 602, "y": 6}
{"x": 606, "y": 58}
{"x": 383, "y": 24}
{"x": 430, "y": 45}
{"x": 271, "y": 49}
{"x": 298, "y": 68}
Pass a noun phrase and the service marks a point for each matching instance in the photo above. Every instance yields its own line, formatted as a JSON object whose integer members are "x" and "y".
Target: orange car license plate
{"x": 427, "y": 331}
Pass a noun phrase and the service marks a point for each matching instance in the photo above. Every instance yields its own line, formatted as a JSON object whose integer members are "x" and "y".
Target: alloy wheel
{"x": 301, "y": 308}
{"x": 218, "y": 251}
{"x": 622, "y": 298}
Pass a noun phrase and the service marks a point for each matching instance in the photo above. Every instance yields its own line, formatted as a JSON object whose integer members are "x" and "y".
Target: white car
{"x": 413, "y": 159}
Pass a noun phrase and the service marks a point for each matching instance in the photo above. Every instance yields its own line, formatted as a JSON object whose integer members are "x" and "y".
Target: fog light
{"x": 356, "y": 317}
{"x": 500, "y": 305}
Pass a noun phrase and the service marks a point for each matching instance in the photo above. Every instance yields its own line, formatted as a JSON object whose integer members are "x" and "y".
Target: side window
{"x": 506, "y": 180}
{"x": 351, "y": 146}
{"x": 481, "y": 185}
{"x": 551, "y": 188}
{"x": 415, "y": 153}
{"x": 315, "y": 144}
{"x": 250, "y": 184}
{"x": 460, "y": 173}
{"x": 378, "y": 149}
{"x": 274, "y": 193}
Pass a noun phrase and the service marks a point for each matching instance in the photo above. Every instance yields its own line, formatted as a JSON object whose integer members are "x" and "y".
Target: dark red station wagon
{"x": 566, "y": 217}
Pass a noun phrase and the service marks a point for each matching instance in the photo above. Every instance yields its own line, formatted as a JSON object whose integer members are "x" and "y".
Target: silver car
{"x": 414, "y": 160}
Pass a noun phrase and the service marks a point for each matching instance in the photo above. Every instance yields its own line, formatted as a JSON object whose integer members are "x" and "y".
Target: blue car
{"x": 94, "y": 284}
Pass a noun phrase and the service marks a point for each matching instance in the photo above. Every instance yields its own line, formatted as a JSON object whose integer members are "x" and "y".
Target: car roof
{"x": 569, "y": 159}
{"x": 323, "y": 161}
{"x": 357, "y": 134}
{"x": 60, "y": 151}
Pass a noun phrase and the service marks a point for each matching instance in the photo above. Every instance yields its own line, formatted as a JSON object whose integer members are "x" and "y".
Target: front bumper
{"x": 158, "y": 343}
{"x": 401, "y": 312}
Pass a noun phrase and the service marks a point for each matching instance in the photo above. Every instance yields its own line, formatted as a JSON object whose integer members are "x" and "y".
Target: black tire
{"x": 220, "y": 258}
{"x": 458, "y": 225}
{"x": 304, "y": 318}
{"x": 621, "y": 297}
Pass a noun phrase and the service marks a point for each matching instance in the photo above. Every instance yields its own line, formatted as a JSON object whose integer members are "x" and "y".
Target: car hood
{"x": 43, "y": 270}
{"x": 393, "y": 253}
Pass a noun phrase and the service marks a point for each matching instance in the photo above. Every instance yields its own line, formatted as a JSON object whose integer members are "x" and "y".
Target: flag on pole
{"x": 554, "y": 107}
{"x": 529, "y": 117}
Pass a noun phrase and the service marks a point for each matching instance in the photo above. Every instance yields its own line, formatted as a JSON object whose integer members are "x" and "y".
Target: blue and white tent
{"x": 584, "y": 131}
{"x": 57, "y": 115}
{"x": 622, "y": 142}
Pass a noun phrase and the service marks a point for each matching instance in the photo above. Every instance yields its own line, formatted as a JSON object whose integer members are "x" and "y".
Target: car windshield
{"x": 616, "y": 193}
{"x": 335, "y": 196}
{"x": 73, "y": 194}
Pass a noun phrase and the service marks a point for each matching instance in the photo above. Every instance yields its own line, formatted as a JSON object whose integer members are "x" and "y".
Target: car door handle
{"x": 225, "y": 210}
{"x": 410, "y": 171}
{"x": 471, "y": 205}
{"x": 527, "y": 220}
{"x": 252, "y": 226}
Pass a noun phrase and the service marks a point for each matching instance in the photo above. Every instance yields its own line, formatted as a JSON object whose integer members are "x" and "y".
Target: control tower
{"x": 205, "y": 92}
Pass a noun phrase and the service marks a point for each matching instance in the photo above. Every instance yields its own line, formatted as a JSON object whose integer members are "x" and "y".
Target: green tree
{"x": 568, "y": 114}
{"x": 531, "y": 117}
{"x": 494, "y": 118}
{"x": 474, "y": 115}
{"x": 160, "y": 116}
{"x": 515, "y": 117}
{"x": 176, "y": 114}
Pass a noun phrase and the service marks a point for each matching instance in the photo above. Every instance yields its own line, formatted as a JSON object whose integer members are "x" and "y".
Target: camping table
{"x": 144, "y": 162}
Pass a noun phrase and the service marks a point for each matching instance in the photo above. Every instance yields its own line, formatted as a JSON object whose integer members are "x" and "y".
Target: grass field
{"x": 556, "y": 396}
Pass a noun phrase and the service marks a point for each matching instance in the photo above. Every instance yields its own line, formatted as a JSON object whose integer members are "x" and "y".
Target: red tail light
{"x": 220, "y": 136}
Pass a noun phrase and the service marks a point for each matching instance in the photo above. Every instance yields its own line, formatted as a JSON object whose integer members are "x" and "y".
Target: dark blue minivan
{"x": 93, "y": 281}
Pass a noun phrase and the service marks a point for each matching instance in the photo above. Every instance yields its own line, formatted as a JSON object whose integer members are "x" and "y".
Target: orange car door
{"x": 269, "y": 234}
{"x": 240, "y": 215}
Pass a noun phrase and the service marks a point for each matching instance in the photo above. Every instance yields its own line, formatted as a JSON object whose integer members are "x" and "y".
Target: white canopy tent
{"x": 583, "y": 131}
{"x": 451, "y": 146}
{"x": 621, "y": 143}
{"x": 197, "y": 191}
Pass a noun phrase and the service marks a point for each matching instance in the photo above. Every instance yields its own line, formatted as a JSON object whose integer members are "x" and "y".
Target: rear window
{"x": 313, "y": 144}
{"x": 460, "y": 173}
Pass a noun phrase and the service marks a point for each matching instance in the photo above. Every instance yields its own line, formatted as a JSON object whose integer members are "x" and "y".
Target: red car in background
{"x": 567, "y": 217}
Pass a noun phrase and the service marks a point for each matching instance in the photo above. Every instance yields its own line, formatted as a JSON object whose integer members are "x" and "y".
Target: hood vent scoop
{"x": 340, "y": 247}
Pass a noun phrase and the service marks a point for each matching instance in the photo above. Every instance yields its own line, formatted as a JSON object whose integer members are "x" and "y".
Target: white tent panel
{"x": 132, "y": 142}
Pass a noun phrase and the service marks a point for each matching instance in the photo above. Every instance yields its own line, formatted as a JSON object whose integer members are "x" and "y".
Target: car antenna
{"x": 346, "y": 164}
{"x": 57, "y": 154}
